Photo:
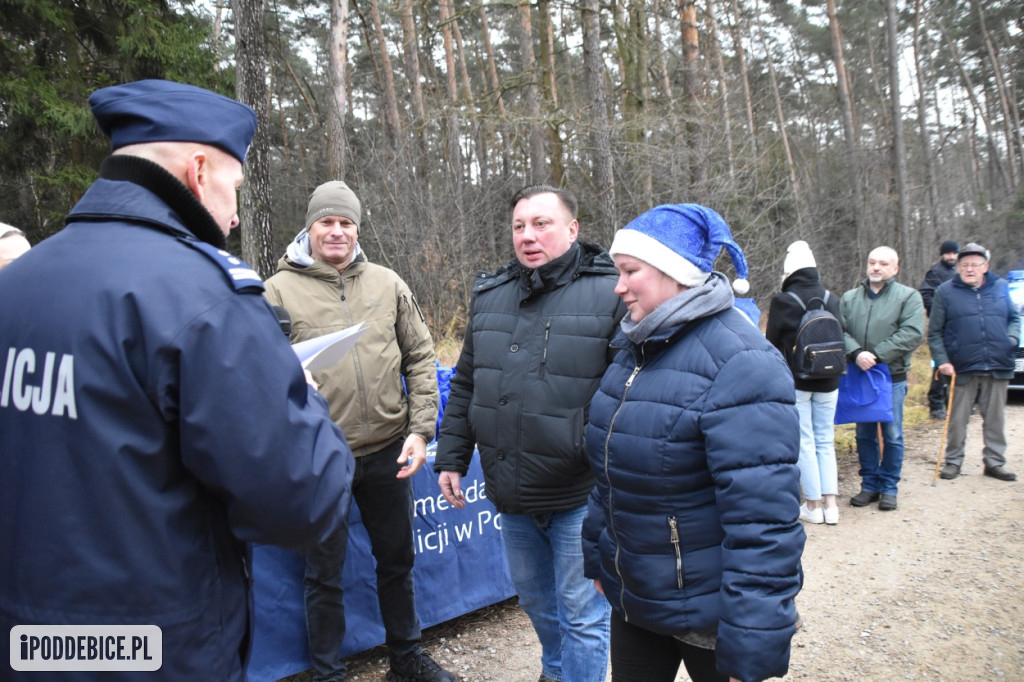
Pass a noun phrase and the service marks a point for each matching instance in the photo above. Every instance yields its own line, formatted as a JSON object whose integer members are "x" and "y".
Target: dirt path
{"x": 933, "y": 591}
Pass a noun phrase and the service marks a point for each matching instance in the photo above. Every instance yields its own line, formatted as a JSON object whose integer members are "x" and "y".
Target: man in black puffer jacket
{"x": 942, "y": 271}
{"x": 536, "y": 346}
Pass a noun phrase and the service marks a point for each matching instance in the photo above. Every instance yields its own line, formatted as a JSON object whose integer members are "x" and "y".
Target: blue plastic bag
{"x": 864, "y": 396}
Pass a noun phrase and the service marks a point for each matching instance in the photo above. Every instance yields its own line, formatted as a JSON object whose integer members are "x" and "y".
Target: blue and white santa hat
{"x": 683, "y": 241}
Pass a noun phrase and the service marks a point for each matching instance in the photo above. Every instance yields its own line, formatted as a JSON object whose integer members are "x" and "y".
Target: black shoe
{"x": 949, "y": 472}
{"x": 887, "y": 503}
{"x": 418, "y": 667}
{"x": 1001, "y": 473}
{"x": 938, "y": 414}
{"x": 545, "y": 678}
{"x": 863, "y": 498}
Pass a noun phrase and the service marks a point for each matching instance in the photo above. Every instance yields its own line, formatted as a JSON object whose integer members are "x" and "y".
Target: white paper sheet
{"x": 320, "y": 353}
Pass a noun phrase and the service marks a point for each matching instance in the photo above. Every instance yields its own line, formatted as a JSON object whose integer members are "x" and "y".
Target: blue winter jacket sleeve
{"x": 281, "y": 467}
{"x": 752, "y": 440}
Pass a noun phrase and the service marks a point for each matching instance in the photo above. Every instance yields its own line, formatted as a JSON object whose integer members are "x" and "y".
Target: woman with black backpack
{"x": 817, "y": 383}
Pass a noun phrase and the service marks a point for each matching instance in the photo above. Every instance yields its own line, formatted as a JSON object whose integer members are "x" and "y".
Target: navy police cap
{"x": 164, "y": 111}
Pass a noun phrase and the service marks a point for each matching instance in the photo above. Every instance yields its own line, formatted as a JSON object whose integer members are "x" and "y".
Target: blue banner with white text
{"x": 460, "y": 567}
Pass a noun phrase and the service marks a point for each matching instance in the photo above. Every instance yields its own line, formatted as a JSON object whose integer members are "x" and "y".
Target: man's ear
{"x": 197, "y": 174}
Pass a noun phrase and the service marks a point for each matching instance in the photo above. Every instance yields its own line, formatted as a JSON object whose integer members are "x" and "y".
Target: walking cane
{"x": 881, "y": 445}
{"x": 945, "y": 427}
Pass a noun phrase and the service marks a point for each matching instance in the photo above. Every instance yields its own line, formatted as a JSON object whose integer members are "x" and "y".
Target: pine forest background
{"x": 848, "y": 123}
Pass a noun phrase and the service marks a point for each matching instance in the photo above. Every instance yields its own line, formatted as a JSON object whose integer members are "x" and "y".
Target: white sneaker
{"x": 831, "y": 515}
{"x": 811, "y": 515}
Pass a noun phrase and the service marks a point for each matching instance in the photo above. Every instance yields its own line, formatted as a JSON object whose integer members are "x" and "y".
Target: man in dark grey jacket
{"x": 535, "y": 349}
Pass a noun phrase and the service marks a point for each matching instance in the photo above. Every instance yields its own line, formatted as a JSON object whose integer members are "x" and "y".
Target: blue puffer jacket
{"x": 975, "y": 329}
{"x": 693, "y": 438}
{"x": 153, "y": 419}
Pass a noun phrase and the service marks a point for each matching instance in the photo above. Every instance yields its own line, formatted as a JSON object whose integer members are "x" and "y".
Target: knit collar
{"x": 710, "y": 298}
{"x": 155, "y": 178}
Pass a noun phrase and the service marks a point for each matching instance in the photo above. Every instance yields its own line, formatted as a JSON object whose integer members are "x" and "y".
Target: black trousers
{"x": 386, "y": 506}
{"x": 640, "y": 655}
{"x": 938, "y": 392}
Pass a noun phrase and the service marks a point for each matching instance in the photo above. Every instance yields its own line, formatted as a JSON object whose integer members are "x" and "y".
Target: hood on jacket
{"x": 801, "y": 277}
{"x": 300, "y": 251}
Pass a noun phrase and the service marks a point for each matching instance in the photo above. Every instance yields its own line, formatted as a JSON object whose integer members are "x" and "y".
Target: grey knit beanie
{"x": 333, "y": 198}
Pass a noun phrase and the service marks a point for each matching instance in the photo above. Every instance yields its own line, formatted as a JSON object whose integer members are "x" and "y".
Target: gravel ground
{"x": 931, "y": 591}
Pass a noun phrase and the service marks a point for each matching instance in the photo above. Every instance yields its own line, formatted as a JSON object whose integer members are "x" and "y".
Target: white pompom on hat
{"x": 798, "y": 257}
{"x": 683, "y": 241}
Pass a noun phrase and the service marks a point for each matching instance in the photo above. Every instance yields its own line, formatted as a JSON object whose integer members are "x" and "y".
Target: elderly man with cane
{"x": 973, "y": 332}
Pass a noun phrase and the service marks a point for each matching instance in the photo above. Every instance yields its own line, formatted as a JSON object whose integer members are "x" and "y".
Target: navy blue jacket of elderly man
{"x": 973, "y": 334}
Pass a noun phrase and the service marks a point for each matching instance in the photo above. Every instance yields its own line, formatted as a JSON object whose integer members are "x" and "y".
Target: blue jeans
{"x": 545, "y": 560}
{"x": 386, "y": 505}
{"x": 818, "y": 473}
{"x": 883, "y": 477}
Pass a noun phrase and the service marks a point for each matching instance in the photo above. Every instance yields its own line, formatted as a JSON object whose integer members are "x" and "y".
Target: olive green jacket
{"x": 890, "y": 325}
{"x": 364, "y": 389}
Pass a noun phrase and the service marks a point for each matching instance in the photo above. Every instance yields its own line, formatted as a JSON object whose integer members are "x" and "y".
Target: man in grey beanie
{"x": 326, "y": 284}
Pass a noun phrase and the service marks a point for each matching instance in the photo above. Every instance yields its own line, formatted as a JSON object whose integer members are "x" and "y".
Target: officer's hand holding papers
{"x": 320, "y": 353}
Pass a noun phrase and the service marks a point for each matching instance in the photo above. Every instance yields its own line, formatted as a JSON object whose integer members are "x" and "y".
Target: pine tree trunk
{"x": 538, "y": 155}
{"x": 495, "y": 86}
{"x": 337, "y": 104}
{"x": 693, "y": 95}
{"x": 924, "y": 134}
{"x": 391, "y": 117}
{"x": 453, "y": 132}
{"x": 715, "y": 48}
{"x": 631, "y": 38}
{"x": 251, "y": 87}
{"x": 547, "y": 55}
{"x": 899, "y": 156}
{"x": 411, "y": 60}
{"x": 794, "y": 179}
{"x": 737, "y": 33}
{"x": 597, "y": 108}
{"x": 1011, "y": 116}
{"x": 849, "y": 132}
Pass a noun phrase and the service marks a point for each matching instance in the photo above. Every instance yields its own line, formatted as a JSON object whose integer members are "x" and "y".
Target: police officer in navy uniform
{"x": 153, "y": 418}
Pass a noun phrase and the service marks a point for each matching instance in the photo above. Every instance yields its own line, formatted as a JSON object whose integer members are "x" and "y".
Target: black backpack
{"x": 818, "y": 351}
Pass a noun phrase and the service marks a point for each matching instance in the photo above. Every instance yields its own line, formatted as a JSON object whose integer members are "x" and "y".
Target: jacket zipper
{"x": 674, "y": 538}
{"x": 544, "y": 356}
{"x": 611, "y": 517}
